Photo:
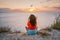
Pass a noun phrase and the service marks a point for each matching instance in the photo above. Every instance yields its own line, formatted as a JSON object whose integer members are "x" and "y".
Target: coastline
{"x": 42, "y": 35}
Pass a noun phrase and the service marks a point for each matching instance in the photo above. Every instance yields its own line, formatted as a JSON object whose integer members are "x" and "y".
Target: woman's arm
{"x": 26, "y": 28}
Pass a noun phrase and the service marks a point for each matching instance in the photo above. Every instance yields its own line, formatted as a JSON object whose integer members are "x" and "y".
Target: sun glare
{"x": 31, "y": 9}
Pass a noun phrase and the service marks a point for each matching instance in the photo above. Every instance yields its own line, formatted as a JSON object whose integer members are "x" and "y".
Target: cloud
{"x": 27, "y": 3}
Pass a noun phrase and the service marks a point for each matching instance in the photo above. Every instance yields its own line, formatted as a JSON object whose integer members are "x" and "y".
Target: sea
{"x": 17, "y": 21}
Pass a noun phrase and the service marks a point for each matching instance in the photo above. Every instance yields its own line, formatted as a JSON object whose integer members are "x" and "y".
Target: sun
{"x": 31, "y": 9}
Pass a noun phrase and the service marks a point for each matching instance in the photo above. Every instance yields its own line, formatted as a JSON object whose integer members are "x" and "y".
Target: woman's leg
{"x": 32, "y": 32}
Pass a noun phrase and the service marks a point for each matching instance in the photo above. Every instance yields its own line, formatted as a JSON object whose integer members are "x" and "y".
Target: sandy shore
{"x": 54, "y": 35}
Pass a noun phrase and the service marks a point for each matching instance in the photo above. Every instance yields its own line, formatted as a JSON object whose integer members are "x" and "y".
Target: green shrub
{"x": 56, "y": 25}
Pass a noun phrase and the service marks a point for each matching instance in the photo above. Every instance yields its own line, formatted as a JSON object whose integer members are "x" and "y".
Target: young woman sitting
{"x": 31, "y": 25}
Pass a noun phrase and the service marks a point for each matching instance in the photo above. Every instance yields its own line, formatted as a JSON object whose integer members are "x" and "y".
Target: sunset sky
{"x": 16, "y": 4}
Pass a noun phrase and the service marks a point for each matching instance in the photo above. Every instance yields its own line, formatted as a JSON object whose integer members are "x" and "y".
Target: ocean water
{"x": 18, "y": 20}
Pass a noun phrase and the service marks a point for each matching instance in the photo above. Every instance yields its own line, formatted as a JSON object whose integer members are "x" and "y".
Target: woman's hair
{"x": 32, "y": 19}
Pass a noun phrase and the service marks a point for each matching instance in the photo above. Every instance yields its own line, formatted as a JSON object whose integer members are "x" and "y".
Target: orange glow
{"x": 39, "y": 9}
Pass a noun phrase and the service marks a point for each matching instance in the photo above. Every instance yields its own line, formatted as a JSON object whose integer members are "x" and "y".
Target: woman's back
{"x": 30, "y": 26}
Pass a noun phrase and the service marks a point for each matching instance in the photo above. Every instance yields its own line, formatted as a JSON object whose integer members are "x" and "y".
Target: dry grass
{"x": 4, "y": 29}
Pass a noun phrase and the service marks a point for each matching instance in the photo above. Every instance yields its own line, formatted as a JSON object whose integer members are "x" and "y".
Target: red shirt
{"x": 30, "y": 26}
